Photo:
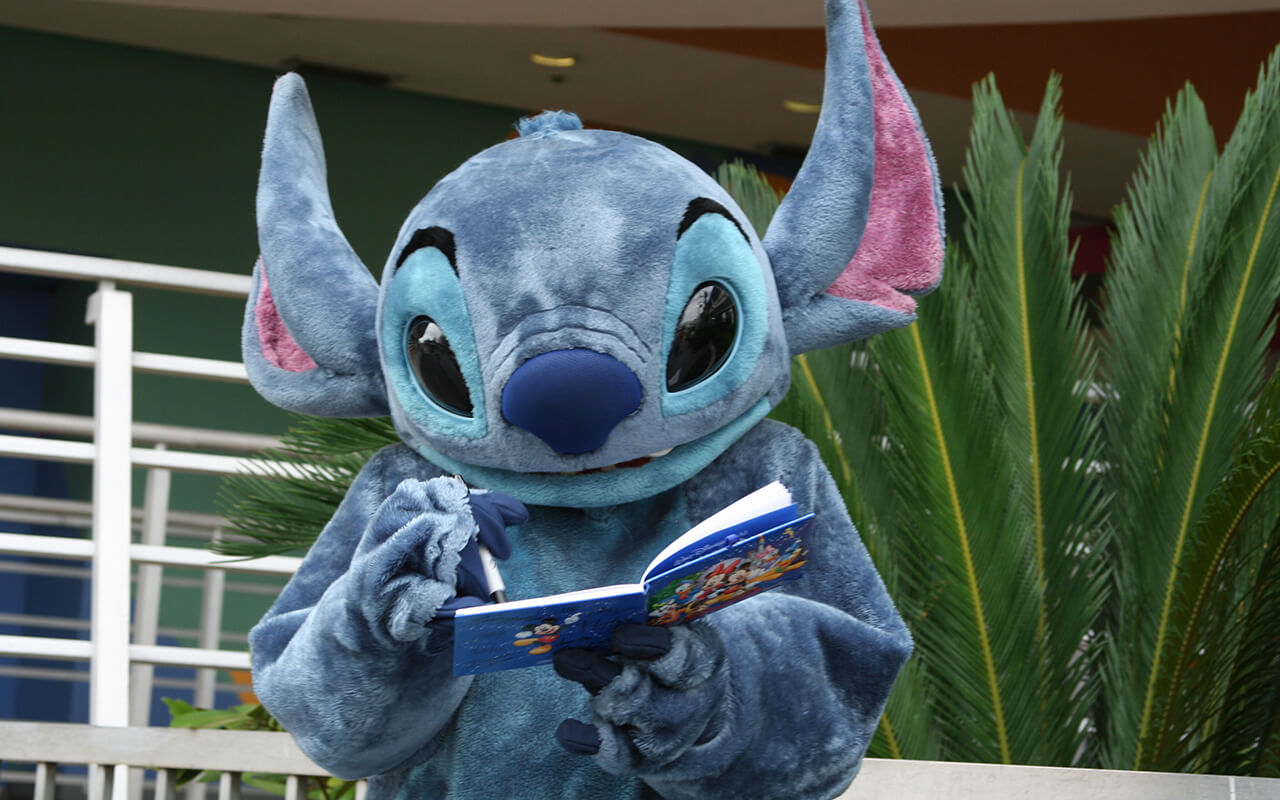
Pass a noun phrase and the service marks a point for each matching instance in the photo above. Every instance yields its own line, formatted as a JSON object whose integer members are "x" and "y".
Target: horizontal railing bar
{"x": 191, "y": 557}
{"x": 170, "y": 581}
{"x": 24, "y": 544}
{"x": 66, "y": 675}
{"x": 85, "y": 521}
{"x": 190, "y": 367}
{"x": 238, "y": 638}
{"x": 75, "y": 355}
{"x": 187, "y": 657}
{"x": 176, "y": 460}
{"x": 59, "y": 649}
{"x": 46, "y": 449}
{"x": 43, "y": 621}
{"x": 232, "y": 587}
{"x": 46, "y": 570}
{"x": 51, "y": 423}
{"x": 80, "y": 355}
{"x": 177, "y": 522}
{"x": 203, "y": 463}
{"x": 77, "y": 624}
{"x": 45, "y": 647}
{"x": 176, "y": 748}
{"x": 135, "y": 273}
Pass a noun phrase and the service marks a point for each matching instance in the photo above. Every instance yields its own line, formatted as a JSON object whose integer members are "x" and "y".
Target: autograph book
{"x": 750, "y": 546}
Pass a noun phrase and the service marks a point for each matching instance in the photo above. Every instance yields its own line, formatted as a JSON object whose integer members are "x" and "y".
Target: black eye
{"x": 436, "y": 366}
{"x": 704, "y": 336}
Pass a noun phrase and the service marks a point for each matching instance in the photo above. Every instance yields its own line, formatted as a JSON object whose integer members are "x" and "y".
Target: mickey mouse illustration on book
{"x": 540, "y": 636}
{"x": 563, "y": 302}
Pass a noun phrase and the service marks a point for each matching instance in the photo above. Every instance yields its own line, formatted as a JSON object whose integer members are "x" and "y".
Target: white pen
{"x": 497, "y": 589}
{"x": 492, "y": 577}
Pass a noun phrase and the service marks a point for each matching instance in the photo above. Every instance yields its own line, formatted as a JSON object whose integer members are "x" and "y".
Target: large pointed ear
{"x": 309, "y": 339}
{"x": 860, "y": 232}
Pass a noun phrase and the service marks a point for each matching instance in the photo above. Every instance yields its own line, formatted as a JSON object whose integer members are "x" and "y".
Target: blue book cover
{"x": 720, "y": 562}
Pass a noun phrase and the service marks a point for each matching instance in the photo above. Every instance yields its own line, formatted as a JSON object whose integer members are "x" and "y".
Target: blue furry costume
{"x": 585, "y": 321}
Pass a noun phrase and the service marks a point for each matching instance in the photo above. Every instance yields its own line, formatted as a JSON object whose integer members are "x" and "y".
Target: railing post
{"x": 215, "y": 582}
{"x": 146, "y": 607}
{"x": 215, "y": 585}
{"x": 111, "y": 313}
{"x": 46, "y": 781}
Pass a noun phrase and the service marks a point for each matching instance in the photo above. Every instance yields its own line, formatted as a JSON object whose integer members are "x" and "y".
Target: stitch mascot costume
{"x": 584, "y": 322}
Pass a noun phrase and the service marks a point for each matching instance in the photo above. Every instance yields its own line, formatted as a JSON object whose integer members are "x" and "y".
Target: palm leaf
{"x": 1215, "y": 373}
{"x": 1232, "y": 536}
{"x": 271, "y": 514}
{"x": 751, "y": 191}
{"x": 953, "y": 546}
{"x": 835, "y": 403}
{"x": 1158, "y": 242}
{"x": 1247, "y": 736}
{"x": 907, "y": 728}
{"x": 1043, "y": 365}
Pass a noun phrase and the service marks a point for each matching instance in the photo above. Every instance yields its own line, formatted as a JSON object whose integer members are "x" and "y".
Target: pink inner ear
{"x": 901, "y": 249}
{"x": 278, "y": 347}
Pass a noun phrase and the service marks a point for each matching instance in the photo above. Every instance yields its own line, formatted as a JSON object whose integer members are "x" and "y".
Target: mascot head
{"x": 582, "y": 317}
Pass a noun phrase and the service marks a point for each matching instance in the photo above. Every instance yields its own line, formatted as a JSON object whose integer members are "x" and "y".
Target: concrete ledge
{"x": 885, "y": 779}
{"x": 177, "y": 748}
{"x": 881, "y": 779}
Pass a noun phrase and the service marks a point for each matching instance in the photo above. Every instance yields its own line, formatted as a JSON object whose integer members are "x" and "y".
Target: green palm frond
{"x": 1245, "y": 736}
{"x": 1237, "y": 528}
{"x": 835, "y": 401}
{"x": 1217, "y": 367}
{"x": 907, "y": 728}
{"x": 1042, "y": 363}
{"x": 965, "y": 584}
{"x": 272, "y": 515}
{"x": 751, "y": 191}
{"x": 1159, "y": 241}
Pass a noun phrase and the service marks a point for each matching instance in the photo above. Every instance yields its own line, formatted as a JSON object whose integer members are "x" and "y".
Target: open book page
{"x": 764, "y": 507}
{"x": 526, "y": 632}
{"x": 747, "y": 548}
{"x": 730, "y": 575}
{"x": 553, "y": 599}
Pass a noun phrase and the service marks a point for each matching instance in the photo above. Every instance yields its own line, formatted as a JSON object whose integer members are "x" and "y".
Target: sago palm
{"x": 1084, "y": 539}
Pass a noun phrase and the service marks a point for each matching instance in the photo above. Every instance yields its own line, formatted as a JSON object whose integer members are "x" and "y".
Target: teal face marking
{"x": 714, "y": 250}
{"x": 622, "y": 485}
{"x": 426, "y": 285}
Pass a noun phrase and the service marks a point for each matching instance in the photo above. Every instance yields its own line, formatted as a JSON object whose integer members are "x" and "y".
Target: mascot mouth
{"x": 635, "y": 462}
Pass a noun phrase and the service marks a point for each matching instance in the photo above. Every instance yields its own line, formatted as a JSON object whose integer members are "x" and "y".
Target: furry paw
{"x": 660, "y": 695}
{"x": 406, "y": 565}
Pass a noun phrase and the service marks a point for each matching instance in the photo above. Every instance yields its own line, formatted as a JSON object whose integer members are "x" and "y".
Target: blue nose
{"x": 571, "y": 399}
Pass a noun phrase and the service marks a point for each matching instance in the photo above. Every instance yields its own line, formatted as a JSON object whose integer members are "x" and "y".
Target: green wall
{"x": 135, "y": 154}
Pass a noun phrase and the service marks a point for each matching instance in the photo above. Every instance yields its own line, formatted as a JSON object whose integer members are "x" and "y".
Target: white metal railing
{"x": 121, "y": 656}
{"x": 112, "y": 753}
